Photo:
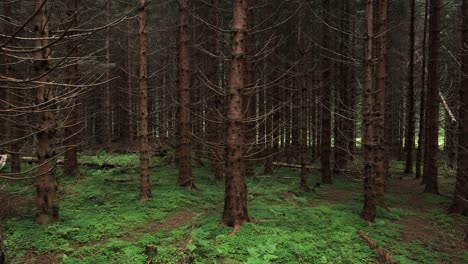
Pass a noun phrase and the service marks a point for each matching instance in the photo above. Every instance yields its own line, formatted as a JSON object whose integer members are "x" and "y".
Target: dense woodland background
{"x": 310, "y": 118}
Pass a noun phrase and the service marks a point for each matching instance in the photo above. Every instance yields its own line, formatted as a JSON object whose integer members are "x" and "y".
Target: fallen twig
{"x": 388, "y": 258}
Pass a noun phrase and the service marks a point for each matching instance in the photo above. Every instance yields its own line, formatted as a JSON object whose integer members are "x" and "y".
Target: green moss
{"x": 102, "y": 221}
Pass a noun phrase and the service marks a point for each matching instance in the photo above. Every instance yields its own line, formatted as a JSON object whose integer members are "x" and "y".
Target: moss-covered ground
{"x": 101, "y": 221}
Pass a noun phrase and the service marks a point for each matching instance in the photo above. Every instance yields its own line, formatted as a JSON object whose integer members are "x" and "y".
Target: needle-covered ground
{"x": 101, "y": 221}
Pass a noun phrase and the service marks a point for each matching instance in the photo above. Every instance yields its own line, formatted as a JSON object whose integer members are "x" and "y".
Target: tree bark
{"x": 460, "y": 200}
{"x": 325, "y": 148}
{"x": 422, "y": 109}
{"x": 70, "y": 166}
{"x": 432, "y": 138}
{"x": 235, "y": 199}
{"x": 185, "y": 151}
{"x": 410, "y": 122}
{"x": 145, "y": 185}
{"x": 378, "y": 121}
{"x": 370, "y": 191}
{"x": 46, "y": 185}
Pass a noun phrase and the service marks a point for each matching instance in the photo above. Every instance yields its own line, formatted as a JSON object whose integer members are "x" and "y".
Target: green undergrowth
{"x": 101, "y": 221}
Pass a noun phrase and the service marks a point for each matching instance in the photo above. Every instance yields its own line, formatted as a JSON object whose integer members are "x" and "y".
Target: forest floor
{"x": 101, "y": 221}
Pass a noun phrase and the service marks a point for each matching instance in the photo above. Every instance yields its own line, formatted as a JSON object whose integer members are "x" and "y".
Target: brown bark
{"x": 422, "y": 109}
{"x": 70, "y": 166}
{"x": 382, "y": 252}
{"x": 235, "y": 199}
{"x": 370, "y": 191}
{"x": 460, "y": 200}
{"x": 378, "y": 121}
{"x": 145, "y": 185}
{"x": 410, "y": 118}
{"x": 185, "y": 152}
{"x": 46, "y": 185}
{"x": 432, "y": 138}
{"x": 325, "y": 148}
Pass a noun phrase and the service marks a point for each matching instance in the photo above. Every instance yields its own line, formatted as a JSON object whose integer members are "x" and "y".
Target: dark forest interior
{"x": 208, "y": 131}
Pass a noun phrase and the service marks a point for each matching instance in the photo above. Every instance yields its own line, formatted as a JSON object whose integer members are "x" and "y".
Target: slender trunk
{"x": 249, "y": 103}
{"x": 301, "y": 82}
{"x": 410, "y": 126}
{"x": 370, "y": 200}
{"x": 145, "y": 185}
{"x": 379, "y": 103}
{"x": 185, "y": 151}
{"x": 325, "y": 148}
{"x": 235, "y": 198}
{"x": 46, "y": 185}
{"x": 70, "y": 165}
{"x": 432, "y": 129}
{"x": 422, "y": 134}
{"x": 460, "y": 200}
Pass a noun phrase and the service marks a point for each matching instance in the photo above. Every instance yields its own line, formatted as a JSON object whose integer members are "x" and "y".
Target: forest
{"x": 208, "y": 131}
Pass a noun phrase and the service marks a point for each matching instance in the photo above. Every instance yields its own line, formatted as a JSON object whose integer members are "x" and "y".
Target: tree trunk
{"x": 432, "y": 138}
{"x": 70, "y": 165}
{"x": 410, "y": 122}
{"x": 379, "y": 103}
{"x": 145, "y": 185}
{"x": 235, "y": 198}
{"x": 422, "y": 119}
{"x": 460, "y": 200}
{"x": 185, "y": 151}
{"x": 325, "y": 148}
{"x": 46, "y": 185}
{"x": 370, "y": 191}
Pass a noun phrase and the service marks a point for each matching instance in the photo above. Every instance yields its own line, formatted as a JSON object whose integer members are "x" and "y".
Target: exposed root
{"x": 235, "y": 228}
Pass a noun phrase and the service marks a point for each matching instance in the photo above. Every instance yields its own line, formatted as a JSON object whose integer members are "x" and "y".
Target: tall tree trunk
{"x": 422, "y": 109}
{"x": 107, "y": 92}
{"x": 145, "y": 185}
{"x": 127, "y": 126}
{"x": 370, "y": 189}
{"x": 325, "y": 148}
{"x": 46, "y": 185}
{"x": 70, "y": 165}
{"x": 301, "y": 83}
{"x": 460, "y": 200}
{"x": 432, "y": 139}
{"x": 379, "y": 102}
{"x": 185, "y": 151}
{"x": 410, "y": 122}
{"x": 235, "y": 198}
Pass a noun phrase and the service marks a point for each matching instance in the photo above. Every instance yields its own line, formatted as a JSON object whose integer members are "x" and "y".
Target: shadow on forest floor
{"x": 102, "y": 221}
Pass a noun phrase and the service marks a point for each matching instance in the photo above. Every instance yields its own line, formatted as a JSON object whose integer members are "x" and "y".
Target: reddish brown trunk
{"x": 46, "y": 185}
{"x": 432, "y": 138}
{"x": 379, "y": 103}
{"x": 235, "y": 198}
{"x": 145, "y": 185}
{"x": 70, "y": 165}
{"x": 325, "y": 148}
{"x": 370, "y": 190}
{"x": 185, "y": 152}
{"x": 460, "y": 200}
{"x": 409, "y": 144}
